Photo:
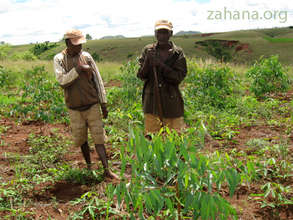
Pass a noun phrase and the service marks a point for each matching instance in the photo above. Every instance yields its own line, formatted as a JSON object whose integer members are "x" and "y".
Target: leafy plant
{"x": 47, "y": 150}
{"x": 217, "y": 49}
{"x": 275, "y": 196}
{"x": 6, "y": 77}
{"x": 170, "y": 179}
{"x": 41, "y": 98}
{"x": 40, "y": 48}
{"x": 211, "y": 86}
{"x": 96, "y": 57}
{"x": 80, "y": 176}
{"x": 93, "y": 207}
{"x": 11, "y": 203}
{"x": 27, "y": 55}
{"x": 4, "y": 49}
{"x": 268, "y": 76}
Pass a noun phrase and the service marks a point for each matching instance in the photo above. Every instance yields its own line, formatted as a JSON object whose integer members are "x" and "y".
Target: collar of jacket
{"x": 64, "y": 52}
{"x": 174, "y": 48}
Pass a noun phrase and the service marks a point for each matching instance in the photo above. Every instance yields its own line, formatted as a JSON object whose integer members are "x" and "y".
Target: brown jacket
{"x": 80, "y": 91}
{"x": 169, "y": 80}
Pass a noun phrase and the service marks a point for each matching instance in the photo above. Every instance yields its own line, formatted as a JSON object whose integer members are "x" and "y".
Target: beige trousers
{"x": 81, "y": 121}
{"x": 153, "y": 124}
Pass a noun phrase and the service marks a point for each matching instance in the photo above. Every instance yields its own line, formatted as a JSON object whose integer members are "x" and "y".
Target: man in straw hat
{"x": 162, "y": 68}
{"x": 84, "y": 93}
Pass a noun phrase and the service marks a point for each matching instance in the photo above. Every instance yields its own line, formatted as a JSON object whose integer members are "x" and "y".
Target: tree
{"x": 88, "y": 37}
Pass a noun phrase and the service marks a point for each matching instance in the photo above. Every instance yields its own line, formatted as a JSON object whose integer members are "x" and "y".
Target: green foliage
{"x": 41, "y": 98}
{"x": 40, "y": 48}
{"x": 213, "y": 86}
{"x": 93, "y": 207}
{"x": 6, "y": 77}
{"x": 80, "y": 176}
{"x": 268, "y": 76}
{"x": 171, "y": 179}
{"x": 10, "y": 200}
{"x": 125, "y": 101}
{"x": 4, "y": 49}
{"x": 27, "y": 55}
{"x": 47, "y": 150}
{"x": 279, "y": 40}
{"x": 88, "y": 37}
{"x": 96, "y": 57}
{"x": 217, "y": 49}
{"x": 275, "y": 196}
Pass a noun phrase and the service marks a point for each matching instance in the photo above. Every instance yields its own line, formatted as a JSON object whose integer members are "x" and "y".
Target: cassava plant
{"x": 268, "y": 76}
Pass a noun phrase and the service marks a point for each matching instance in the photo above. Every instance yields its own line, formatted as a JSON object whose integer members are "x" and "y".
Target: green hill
{"x": 258, "y": 42}
{"x": 180, "y": 33}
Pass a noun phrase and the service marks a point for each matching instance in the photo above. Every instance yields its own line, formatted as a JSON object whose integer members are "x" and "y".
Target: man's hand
{"x": 153, "y": 58}
{"x": 82, "y": 68}
{"x": 104, "y": 110}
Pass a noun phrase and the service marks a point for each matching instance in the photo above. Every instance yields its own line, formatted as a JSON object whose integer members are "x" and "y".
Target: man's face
{"x": 74, "y": 49}
{"x": 163, "y": 36}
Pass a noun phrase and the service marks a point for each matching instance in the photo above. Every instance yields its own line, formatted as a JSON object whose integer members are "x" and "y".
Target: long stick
{"x": 157, "y": 94}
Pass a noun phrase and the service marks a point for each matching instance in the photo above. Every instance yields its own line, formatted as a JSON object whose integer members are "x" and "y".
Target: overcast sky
{"x": 30, "y": 21}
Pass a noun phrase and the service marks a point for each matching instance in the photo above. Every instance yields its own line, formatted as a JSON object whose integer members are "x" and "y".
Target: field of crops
{"x": 233, "y": 161}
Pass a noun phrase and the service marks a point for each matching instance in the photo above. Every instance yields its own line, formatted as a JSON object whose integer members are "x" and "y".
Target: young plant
{"x": 268, "y": 76}
{"x": 170, "y": 177}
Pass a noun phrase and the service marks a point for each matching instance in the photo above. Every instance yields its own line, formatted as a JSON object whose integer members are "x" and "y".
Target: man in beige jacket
{"x": 84, "y": 93}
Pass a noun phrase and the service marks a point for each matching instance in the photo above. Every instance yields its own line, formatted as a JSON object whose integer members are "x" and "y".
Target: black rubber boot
{"x": 85, "y": 149}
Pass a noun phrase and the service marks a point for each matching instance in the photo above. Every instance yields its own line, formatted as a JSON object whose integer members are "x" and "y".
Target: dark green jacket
{"x": 169, "y": 79}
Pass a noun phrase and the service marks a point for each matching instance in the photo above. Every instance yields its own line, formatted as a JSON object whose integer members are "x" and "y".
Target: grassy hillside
{"x": 262, "y": 42}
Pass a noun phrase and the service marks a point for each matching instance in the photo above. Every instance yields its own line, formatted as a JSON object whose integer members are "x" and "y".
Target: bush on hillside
{"x": 40, "y": 48}
{"x": 210, "y": 86}
{"x": 6, "y": 78}
{"x": 27, "y": 55}
{"x": 96, "y": 57}
{"x": 4, "y": 49}
{"x": 41, "y": 99}
{"x": 268, "y": 76}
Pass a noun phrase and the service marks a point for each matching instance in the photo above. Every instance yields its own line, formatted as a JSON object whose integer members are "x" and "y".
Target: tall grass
{"x": 108, "y": 70}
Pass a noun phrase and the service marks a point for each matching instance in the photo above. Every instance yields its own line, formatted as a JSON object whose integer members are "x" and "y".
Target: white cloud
{"x": 41, "y": 20}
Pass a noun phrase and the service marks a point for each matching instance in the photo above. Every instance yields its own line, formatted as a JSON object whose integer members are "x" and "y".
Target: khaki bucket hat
{"x": 163, "y": 24}
{"x": 76, "y": 37}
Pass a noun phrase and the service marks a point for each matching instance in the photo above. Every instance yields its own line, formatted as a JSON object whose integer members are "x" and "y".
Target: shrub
{"x": 216, "y": 49}
{"x": 27, "y": 55}
{"x": 96, "y": 57}
{"x": 170, "y": 179}
{"x": 125, "y": 101}
{"x": 268, "y": 76}
{"x": 40, "y": 48}
{"x": 4, "y": 49}
{"x": 41, "y": 99}
{"x": 6, "y": 77}
{"x": 211, "y": 86}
